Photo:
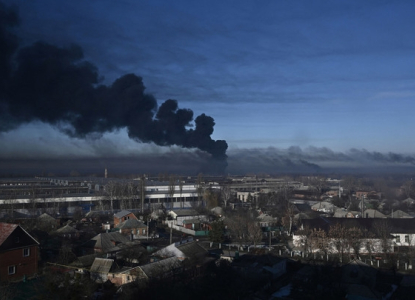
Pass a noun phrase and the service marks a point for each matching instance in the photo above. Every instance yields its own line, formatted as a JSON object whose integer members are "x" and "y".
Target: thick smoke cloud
{"x": 316, "y": 160}
{"x": 57, "y": 86}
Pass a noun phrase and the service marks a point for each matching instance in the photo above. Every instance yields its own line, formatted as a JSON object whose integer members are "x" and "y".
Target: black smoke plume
{"x": 57, "y": 86}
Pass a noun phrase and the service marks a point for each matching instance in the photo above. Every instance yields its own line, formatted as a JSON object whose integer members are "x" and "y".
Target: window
{"x": 398, "y": 238}
{"x": 12, "y": 270}
{"x": 406, "y": 238}
{"x": 26, "y": 252}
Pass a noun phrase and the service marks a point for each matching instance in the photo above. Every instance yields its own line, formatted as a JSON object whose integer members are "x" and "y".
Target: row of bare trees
{"x": 126, "y": 193}
{"x": 344, "y": 240}
{"x": 244, "y": 228}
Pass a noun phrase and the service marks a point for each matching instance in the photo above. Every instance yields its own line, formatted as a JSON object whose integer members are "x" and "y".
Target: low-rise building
{"x": 18, "y": 253}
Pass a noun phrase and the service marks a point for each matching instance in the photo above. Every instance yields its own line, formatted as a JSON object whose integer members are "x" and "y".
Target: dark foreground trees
{"x": 217, "y": 282}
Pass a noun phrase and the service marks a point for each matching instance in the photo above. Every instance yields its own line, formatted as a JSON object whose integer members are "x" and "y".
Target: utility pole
{"x": 362, "y": 204}
{"x": 148, "y": 226}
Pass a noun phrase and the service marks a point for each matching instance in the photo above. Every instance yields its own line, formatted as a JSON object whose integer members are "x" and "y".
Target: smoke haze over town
{"x": 184, "y": 87}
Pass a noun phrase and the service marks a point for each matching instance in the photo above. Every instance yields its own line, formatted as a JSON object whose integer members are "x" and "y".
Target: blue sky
{"x": 335, "y": 74}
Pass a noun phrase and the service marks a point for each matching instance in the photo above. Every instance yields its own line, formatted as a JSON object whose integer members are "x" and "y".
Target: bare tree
{"x": 237, "y": 226}
{"x": 338, "y": 236}
{"x": 181, "y": 191}
{"x": 288, "y": 217}
{"x": 254, "y": 232}
{"x": 383, "y": 231}
{"x": 319, "y": 240}
{"x": 318, "y": 182}
{"x": 369, "y": 242}
{"x": 199, "y": 186}
{"x": 142, "y": 191}
{"x": 305, "y": 239}
{"x": 350, "y": 184}
{"x": 211, "y": 198}
{"x": 408, "y": 188}
{"x": 355, "y": 239}
{"x": 111, "y": 191}
{"x": 172, "y": 188}
{"x": 131, "y": 194}
{"x": 12, "y": 198}
{"x": 226, "y": 193}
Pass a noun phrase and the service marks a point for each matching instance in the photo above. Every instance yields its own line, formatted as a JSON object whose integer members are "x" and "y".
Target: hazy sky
{"x": 335, "y": 74}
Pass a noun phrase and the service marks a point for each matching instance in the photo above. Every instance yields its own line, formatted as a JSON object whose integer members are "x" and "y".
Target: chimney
{"x": 106, "y": 173}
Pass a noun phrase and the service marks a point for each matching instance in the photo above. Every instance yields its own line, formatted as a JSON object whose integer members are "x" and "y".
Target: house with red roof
{"x": 18, "y": 253}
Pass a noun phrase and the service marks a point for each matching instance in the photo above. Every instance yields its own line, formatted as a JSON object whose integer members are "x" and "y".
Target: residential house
{"x": 371, "y": 240}
{"x": 161, "y": 269}
{"x": 324, "y": 206}
{"x": 409, "y": 201}
{"x": 403, "y": 231}
{"x": 260, "y": 265}
{"x": 362, "y": 194}
{"x": 179, "y": 215}
{"x": 386, "y": 234}
{"x": 218, "y": 211}
{"x": 110, "y": 243}
{"x": 193, "y": 224}
{"x": 46, "y": 222}
{"x": 359, "y": 279}
{"x": 247, "y": 196}
{"x": 193, "y": 255}
{"x": 343, "y": 213}
{"x": 397, "y": 214}
{"x": 132, "y": 227}
{"x": 100, "y": 269}
{"x": 84, "y": 262}
{"x": 372, "y": 213}
{"x": 123, "y": 216}
{"x": 18, "y": 253}
{"x": 304, "y": 211}
{"x": 332, "y": 193}
{"x": 184, "y": 249}
{"x": 67, "y": 232}
{"x": 267, "y": 222}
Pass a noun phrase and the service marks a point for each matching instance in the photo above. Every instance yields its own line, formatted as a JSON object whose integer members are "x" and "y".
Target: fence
{"x": 188, "y": 231}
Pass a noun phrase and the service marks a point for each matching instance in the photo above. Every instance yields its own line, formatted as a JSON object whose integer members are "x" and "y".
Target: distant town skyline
{"x": 321, "y": 76}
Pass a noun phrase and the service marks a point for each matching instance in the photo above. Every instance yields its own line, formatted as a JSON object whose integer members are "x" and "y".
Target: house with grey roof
{"x": 373, "y": 213}
{"x": 122, "y": 216}
{"x": 109, "y": 242}
{"x": 397, "y": 214}
{"x": 68, "y": 232}
{"x": 132, "y": 226}
{"x": 267, "y": 266}
{"x": 324, "y": 206}
{"x": 186, "y": 249}
{"x": 100, "y": 269}
{"x": 409, "y": 201}
{"x": 179, "y": 215}
{"x": 47, "y": 222}
{"x": 162, "y": 268}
